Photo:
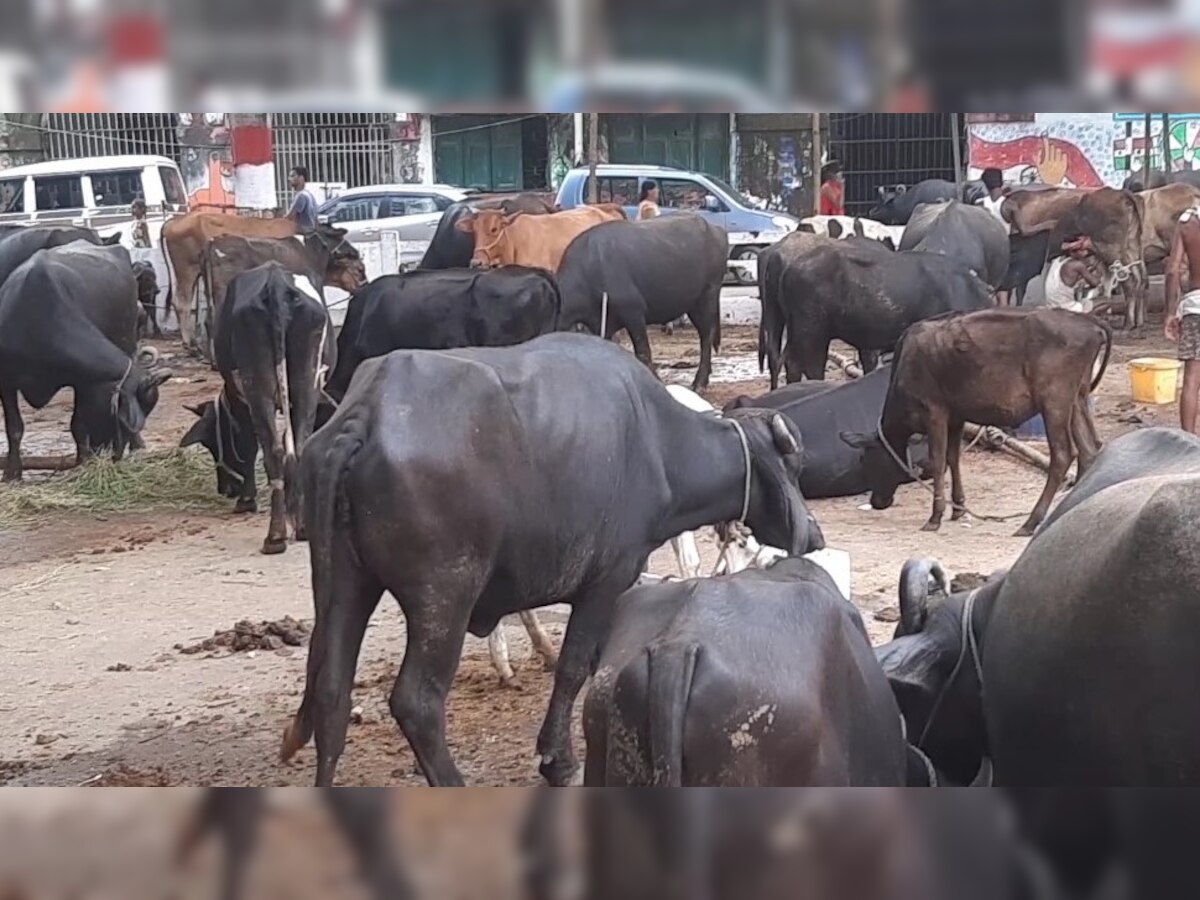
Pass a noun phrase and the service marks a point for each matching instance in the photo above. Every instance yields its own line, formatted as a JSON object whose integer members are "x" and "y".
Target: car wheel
{"x": 745, "y": 277}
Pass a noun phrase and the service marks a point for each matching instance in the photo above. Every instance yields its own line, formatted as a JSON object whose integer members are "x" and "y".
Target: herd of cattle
{"x": 468, "y": 445}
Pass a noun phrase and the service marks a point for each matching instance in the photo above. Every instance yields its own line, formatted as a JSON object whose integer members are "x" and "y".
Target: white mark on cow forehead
{"x": 305, "y": 286}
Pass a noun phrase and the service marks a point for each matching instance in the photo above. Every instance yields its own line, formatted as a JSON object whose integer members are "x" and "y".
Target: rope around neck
{"x": 930, "y": 771}
{"x": 909, "y": 469}
{"x": 969, "y": 645}
{"x": 221, "y": 464}
{"x": 116, "y": 397}
{"x": 729, "y": 538}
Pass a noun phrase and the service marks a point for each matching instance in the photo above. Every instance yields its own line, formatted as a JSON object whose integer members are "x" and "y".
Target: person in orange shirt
{"x": 833, "y": 190}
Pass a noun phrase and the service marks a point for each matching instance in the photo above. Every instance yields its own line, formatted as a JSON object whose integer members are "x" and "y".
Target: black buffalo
{"x": 691, "y": 691}
{"x": 866, "y": 295}
{"x": 19, "y": 246}
{"x": 832, "y": 468}
{"x": 652, "y": 272}
{"x": 564, "y": 465}
{"x": 68, "y": 318}
{"x": 443, "y": 310}
{"x": 897, "y": 203}
{"x": 1141, "y": 181}
{"x": 1102, "y": 591}
{"x": 782, "y": 397}
{"x": 453, "y": 249}
{"x": 969, "y": 234}
{"x": 273, "y": 342}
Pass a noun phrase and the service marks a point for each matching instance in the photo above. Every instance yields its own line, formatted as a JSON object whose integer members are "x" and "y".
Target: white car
{"x": 413, "y": 211}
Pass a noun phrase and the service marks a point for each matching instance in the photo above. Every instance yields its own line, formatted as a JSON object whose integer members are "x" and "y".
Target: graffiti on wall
{"x": 1129, "y": 151}
{"x": 1055, "y": 149}
{"x": 205, "y": 163}
{"x": 1081, "y": 149}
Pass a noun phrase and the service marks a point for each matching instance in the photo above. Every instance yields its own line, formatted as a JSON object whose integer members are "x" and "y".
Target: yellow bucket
{"x": 1154, "y": 380}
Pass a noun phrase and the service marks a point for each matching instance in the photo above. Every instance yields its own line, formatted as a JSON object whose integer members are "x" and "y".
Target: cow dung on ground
{"x": 246, "y": 636}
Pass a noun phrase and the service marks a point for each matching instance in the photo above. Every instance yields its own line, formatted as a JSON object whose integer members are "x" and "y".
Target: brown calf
{"x": 992, "y": 367}
{"x": 535, "y": 241}
{"x": 184, "y": 239}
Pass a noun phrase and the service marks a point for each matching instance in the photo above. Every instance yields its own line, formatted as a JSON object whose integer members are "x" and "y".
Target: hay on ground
{"x": 176, "y": 480}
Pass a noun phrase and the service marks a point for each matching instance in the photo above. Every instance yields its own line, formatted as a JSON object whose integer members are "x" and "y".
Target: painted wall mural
{"x": 1081, "y": 149}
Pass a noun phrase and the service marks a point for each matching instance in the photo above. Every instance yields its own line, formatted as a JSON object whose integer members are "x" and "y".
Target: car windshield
{"x": 730, "y": 191}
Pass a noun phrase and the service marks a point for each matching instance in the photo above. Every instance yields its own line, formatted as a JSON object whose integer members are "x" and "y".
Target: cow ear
{"x": 465, "y": 225}
{"x": 986, "y": 777}
{"x": 158, "y": 377}
{"x": 195, "y": 434}
{"x": 882, "y": 192}
{"x": 857, "y": 439}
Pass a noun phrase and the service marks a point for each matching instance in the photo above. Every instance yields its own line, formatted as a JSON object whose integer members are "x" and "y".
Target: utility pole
{"x": 1166, "y": 142}
{"x": 816, "y": 157}
{"x": 958, "y": 166}
{"x": 593, "y": 157}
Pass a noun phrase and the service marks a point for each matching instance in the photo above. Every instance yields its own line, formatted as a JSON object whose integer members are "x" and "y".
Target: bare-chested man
{"x": 1183, "y": 313}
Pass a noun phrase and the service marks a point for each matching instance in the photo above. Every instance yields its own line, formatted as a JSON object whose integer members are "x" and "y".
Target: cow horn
{"x": 785, "y": 441}
{"x": 148, "y": 357}
{"x": 914, "y": 591}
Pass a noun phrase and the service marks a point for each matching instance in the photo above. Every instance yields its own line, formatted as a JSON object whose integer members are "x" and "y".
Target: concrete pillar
{"x": 253, "y": 153}
{"x": 20, "y": 145}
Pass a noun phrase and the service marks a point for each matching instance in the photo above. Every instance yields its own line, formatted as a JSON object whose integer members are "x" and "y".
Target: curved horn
{"x": 148, "y": 357}
{"x": 914, "y": 591}
{"x": 785, "y": 441}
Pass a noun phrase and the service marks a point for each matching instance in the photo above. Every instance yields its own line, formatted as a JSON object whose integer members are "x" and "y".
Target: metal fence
{"x": 877, "y": 149}
{"x": 77, "y": 135}
{"x": 353, "y": 149}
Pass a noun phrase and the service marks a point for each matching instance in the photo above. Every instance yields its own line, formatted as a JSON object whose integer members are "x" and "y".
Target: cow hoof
{"x": 510, "y": 684}
{"x": 958, "y": 515}
{"x": 558, "y": 773}
{"x": 246, "y": 507}
{"x": 274, "y": 547}
{"x": 1026, "y": 530}
{"x": 549, "y": 663}
{"x": 932, "y": 526}
{"x": 301, "y": 536}
{"x": 11, "y": 478}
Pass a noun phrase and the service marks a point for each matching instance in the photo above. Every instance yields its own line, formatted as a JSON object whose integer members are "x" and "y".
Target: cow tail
{"x": 280, "y": 319}
{"x": 717, "y": 337}
{"x": 1106, "y": 329}
{"x": 171, "y": 275}
{"x": 672, "y": 669}
{"x": 327, "y": 518}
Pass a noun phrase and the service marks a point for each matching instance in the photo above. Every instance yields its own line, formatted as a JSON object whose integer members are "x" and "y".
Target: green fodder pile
{"x": 176, "y": 480}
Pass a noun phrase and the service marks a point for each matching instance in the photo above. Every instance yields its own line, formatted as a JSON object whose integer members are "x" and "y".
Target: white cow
{"x": 842, "y": 227}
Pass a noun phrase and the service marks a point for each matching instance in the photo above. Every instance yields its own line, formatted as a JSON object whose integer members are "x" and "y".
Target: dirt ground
{"x": 94, "y": 688}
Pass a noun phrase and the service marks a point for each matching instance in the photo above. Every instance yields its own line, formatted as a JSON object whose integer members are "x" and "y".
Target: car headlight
{"x": 784, "y": 223}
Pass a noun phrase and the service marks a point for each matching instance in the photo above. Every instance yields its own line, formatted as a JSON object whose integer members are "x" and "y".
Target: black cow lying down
{"x": 1106, "y": 589}
{"x": 441, "y": 310}
{"x": 692, "y": 691}
{"x": 68, "y": 318}
{"x": 822, "y": 412}
{"x": 565, "y": 465}
{"x": 273, "y": 342}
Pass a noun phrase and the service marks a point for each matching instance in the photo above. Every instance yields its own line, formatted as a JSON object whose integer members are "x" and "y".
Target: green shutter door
{"x": 624, "y": 140}
{"x": 477, "y": 159}
{"x": 448, "y": 160}
{"x": 506, "y": 157}
{"x": 713, "y": 145}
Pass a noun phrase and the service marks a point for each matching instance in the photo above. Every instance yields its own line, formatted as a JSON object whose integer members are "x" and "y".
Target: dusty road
{"x": 93, "y": 688}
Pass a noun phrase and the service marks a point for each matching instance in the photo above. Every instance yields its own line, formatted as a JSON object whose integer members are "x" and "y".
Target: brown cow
{"x": 324, "y": 256}
{"x": 184, "y": 239}
{"x": 992, "y": 367}
{"x": 1033, "y": 211}
{"x": 535, "y": 241}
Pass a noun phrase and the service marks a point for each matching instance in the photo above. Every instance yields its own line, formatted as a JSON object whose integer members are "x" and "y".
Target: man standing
{"x": 993, "y": 181}
{"x": 304, "y": 207}
{"x": 1183, "y": 313}
{"x": 833, "y": 190}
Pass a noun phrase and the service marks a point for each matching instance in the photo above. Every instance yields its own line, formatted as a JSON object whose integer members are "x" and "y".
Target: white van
{"x": 95, "y": 192}
{"x": 98, "y": 192}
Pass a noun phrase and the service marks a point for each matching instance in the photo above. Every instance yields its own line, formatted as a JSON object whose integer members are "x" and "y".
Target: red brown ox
{"x": 534, "y": 241}
{"x": 184, "y": 239}
{"x": 993, "y": 367}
